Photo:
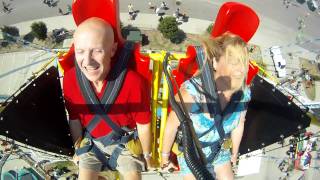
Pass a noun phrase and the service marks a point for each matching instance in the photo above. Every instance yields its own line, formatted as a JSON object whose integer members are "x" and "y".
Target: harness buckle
{"x": 115, "y": 137}
{"x": 121, "y": 146}
{"x": 86, "y": 142}
{"x": 227, "y": 143}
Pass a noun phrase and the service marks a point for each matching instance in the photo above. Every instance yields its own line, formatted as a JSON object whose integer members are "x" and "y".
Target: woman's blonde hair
{"x": 227, "y": 45}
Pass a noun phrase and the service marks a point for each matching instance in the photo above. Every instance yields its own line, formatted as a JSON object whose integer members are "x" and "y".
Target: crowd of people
{"x": 159, "y": 10}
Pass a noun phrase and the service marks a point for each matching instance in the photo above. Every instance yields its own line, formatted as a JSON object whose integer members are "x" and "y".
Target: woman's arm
{"x": 236, "y": 136}
{"x": 169, "y": 136}
{"x": 172, "y": 127}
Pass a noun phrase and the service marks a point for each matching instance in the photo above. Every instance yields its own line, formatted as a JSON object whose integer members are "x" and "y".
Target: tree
{"x": 39, "y": 30}
{"x": 178, "y": 37}
{"x": 168, "y": 26}
{"x": 209, "y": 28}
{"x": 9, "y": 33}
{"x": 28, "y": 38}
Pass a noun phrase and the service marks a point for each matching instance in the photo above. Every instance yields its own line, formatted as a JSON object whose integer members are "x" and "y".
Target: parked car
{"x": 312, "y": 5}
{"x": 59, "y": 34}
{"x": 279, "y": 61}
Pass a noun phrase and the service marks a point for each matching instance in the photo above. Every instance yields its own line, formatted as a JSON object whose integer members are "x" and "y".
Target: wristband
{"x": 165, "y": 154}
{"x": 147, "y": 155}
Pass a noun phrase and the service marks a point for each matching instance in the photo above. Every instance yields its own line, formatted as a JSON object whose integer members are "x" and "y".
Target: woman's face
{"x": 231, "y": 70}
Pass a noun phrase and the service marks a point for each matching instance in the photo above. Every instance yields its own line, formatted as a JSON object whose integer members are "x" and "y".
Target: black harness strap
{"x": 213, "y": 104}
{"x": 114, "y": 85}
{"x": 212, "y": 98}
{"x": 118, "y": 135}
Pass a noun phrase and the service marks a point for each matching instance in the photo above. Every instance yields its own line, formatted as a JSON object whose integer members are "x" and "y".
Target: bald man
{"x": 88, "y": 88}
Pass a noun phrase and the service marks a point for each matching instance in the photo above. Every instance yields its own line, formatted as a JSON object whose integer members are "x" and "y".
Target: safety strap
{"x": 113, "y": 86}
{"x": 213, "y": 104}
{"x": 109, "y": 162}
{"x": 211, "y": 95}
{"x": 113, "y": 138}
{"x": 118, "y": 135}
{"x": 91, "y": 147}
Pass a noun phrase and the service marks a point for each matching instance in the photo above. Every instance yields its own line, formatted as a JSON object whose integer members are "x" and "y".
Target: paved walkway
{"x": 145, "y": 21}
{"x": 269, "y": 33}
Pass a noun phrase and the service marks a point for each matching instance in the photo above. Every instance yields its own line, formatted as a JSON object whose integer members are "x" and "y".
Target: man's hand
{"x": 77, "y": 144}
{"x": 144, "y": 131}
{"x": 150, "y": 164}
{"x": 75, "y": 159}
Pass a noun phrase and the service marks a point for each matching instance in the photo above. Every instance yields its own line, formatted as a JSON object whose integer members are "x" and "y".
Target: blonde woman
{"x": 227, "y": 58}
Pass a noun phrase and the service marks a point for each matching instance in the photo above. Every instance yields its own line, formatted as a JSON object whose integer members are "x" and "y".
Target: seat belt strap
{"x": 114, "y": 85}
{"x": 210, "y": 89}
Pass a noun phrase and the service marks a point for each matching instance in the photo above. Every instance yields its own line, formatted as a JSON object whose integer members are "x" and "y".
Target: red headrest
{"x": 104, "y": 9}
{"x": 236, "y": 18}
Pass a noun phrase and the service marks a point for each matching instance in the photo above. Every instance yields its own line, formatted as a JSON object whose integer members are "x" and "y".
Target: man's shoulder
{"x": 134, "y": 79}
{"x": 69, "y": 75}
{"x": 69, "y": 80}
{"x": 133, "y": 76}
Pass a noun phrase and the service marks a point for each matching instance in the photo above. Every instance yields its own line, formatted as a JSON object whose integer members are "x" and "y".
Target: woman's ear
{"x": 214, "y": 64}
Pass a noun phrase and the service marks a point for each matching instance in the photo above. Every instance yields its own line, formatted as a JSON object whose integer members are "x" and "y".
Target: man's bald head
{"x": 96, "y": 25}
{"x": 94, "y": 47}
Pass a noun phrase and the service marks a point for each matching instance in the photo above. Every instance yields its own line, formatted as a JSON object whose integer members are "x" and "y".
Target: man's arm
{"x": 145, "y": 136}
{"x": 75, "y": 129}
{"x": 236, "y": 136}
{"x": 144, "y": 131}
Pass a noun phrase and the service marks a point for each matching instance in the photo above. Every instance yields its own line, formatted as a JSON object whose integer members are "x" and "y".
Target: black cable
{"x": 192, "y": 153}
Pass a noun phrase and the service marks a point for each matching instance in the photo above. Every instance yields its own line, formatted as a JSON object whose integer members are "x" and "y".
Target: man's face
{"x": 93, "y": 51}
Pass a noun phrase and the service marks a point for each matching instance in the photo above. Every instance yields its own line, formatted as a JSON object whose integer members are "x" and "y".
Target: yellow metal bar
{"x": 177, "y": 56}
{"x": 61, "y": 54}
{"x": 44, "y": 66}
{"x": 164, "y": 104}
{"x": 157, "y": 59}
{"x": 155, "y": 88}
{"x": 164, "y": 111}
{"x": 265, "y": 72}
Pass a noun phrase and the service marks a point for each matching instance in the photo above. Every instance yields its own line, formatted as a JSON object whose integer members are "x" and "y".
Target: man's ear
{"x": 114, "y": 49}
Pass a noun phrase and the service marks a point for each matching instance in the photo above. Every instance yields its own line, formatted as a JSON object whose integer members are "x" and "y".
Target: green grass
{"x": 17, "y": 47}
{"x": 158, "y": 42}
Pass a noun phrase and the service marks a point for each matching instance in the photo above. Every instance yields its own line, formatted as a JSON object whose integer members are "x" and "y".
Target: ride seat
{"x": 232, "y": 17}
{"x": 109, "y": 11}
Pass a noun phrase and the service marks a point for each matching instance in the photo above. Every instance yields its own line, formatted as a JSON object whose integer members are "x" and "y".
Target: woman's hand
{"x": 168, "y": 166}
{"x": 234, "y": 158}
